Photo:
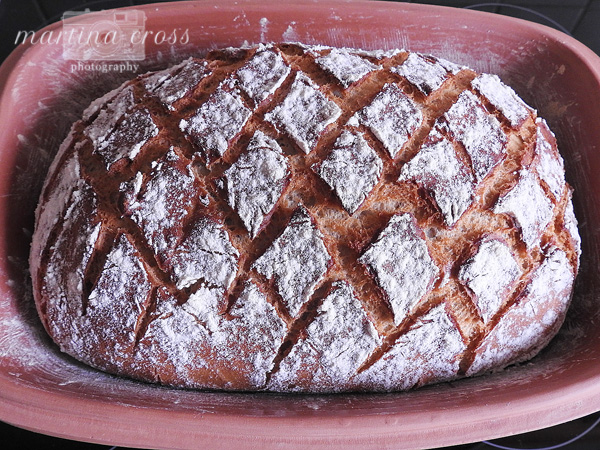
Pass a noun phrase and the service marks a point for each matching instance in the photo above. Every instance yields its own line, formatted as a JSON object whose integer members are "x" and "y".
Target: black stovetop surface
{"x": 579, "y": 18}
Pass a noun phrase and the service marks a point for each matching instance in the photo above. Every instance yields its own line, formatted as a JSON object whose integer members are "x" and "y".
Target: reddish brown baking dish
{"x": 42, "y": 93}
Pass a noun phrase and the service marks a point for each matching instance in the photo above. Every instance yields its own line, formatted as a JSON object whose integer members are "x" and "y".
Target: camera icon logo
{"x": 104, "y": 35}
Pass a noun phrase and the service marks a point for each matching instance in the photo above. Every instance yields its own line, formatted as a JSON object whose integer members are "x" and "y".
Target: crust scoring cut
{"x": 173, "y": 84}
{"x": 530, "y": 207}
{"x": 438, "y": 169}
{"x": 490, "y": 274}
{"x": 262, "y": 75}
{"x": 478, "y": 131}
{"x": 159, "y": 202}
{"x": 401, "y": 263}
{"x": 304, "y": 114}
{"x": 205, "y": 254}
{"x": 115, "y": 107}
{"x": 351, "y": 169}
{"x": 128, "y": 138}
{"x": 346, "y": 67}
{"x": 425, "y": 72}
{"x": 296, "y": 261}
{"x": 337, "y": 343}
{"x": 529, "y": 324}
{"x": 549, "y": 163}
{"x": 112, "y": 326}
{"x": 392, "y": 117}
{"x": 256, "y": 181}
{"x": 502, "y": 97}
{"x": 217, "y": 122}
{"x": 305, "y": 218}
{"x": 433, "y": 345}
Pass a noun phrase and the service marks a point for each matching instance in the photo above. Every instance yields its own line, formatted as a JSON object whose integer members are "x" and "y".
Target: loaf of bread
{"x": 301, "y": 218}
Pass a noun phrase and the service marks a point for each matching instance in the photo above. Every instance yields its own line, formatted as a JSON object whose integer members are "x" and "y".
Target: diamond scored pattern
{"x": 159, "y": 201}
{"x": 200, "y": 258}
{"x": 305, "y": 113}
{"x": 346, "y": 67}
{"x": 478, "y": 131}
{"x": 262, "y": 75}
{"x": 256, "y": 180}
{"x": 401, "y": 262}
{"x": 297, "y": 260}
{"x": 438, "y": 169}
{"x": 489, "y": 274}
{"x": 392, "y": 117}
{"x": 351, "y": 169}
{"x": 217, "y": 122}
{"x": 173, "y": 84}
{"x": 426, "y": 73}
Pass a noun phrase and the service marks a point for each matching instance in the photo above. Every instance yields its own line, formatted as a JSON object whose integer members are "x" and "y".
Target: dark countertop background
{"x": 579, "y": 18}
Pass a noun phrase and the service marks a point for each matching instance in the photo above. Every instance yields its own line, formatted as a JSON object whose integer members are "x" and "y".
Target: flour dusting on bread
{"x": 300, "y": 218}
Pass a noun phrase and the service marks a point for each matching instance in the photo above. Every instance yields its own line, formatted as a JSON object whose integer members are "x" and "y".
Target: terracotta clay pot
{"x": 42, "y": 93}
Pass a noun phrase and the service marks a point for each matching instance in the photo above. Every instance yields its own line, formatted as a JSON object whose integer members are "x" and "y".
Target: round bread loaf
{"x": 301, "y": 218}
